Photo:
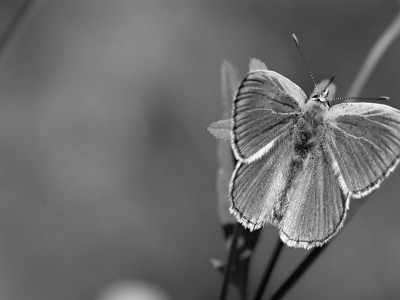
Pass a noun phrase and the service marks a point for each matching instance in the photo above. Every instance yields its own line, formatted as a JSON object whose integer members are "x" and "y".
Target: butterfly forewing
{"x": 255, "y": 188}
{"x": 363, "y": 144}
{"x": 315, "y": 205}
{"x": 266, "y": 106}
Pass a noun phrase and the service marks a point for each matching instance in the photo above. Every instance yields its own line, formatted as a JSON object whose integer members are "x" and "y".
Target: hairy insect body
{"x": 307, "y": 144}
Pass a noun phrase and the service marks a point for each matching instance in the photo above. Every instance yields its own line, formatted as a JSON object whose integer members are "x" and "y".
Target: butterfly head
{"x": 319, "y": 101}
{"x": 321, "y": 97}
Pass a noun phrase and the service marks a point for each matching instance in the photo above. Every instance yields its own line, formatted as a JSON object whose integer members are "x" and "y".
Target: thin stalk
{"x": 17, "y": 24}
{"x": 231, "y": 258}
{"x": 374, "y": 56}
{"x": 310, "y": 258}
{"x": 268, "y": 271}
{"x": 285, "y": 287}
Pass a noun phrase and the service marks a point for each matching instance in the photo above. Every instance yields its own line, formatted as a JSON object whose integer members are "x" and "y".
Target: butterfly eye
{"x": 315, "y": 97}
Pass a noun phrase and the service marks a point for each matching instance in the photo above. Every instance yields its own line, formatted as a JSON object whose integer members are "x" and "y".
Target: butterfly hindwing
{"x": 255, "y": 188}
{"x": 266, "y": 106}
{"x": 315, "y": 204}
{"x": 362, "y": 140}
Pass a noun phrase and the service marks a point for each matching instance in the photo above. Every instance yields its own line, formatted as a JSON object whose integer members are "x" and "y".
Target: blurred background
{"x": 107, "y": 171}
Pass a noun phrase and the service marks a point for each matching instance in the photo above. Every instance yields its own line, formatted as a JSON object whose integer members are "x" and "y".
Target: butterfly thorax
{"x": 307, "y": 131}
{"x": 317, "y": 105}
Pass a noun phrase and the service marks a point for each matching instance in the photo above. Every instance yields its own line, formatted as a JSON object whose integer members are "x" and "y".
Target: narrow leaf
{"x": 239, "y": 266}
{"x": 256, "y": 64}
{"x": 229, "y": 84}
{"x": 221, "y": 129}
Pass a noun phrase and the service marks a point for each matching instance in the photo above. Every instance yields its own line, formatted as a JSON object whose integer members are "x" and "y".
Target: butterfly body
{"x": 306, "y": 145}
{"x": 300, "y": 160}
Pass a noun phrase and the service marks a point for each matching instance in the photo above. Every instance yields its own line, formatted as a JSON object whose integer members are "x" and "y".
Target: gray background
{"x": 107, "y": 172}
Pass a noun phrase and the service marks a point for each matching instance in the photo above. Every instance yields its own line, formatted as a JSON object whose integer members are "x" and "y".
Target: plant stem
{"x": 268, "y": 271}
{"x": 16, "y": 26}
{"x": 375, "y": 54}
{"x": 231, "y": 258}
{"x": 285, "y": 287}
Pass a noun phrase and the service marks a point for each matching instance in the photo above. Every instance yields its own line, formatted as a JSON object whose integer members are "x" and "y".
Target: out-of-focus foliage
{"x": 107, "y": 171}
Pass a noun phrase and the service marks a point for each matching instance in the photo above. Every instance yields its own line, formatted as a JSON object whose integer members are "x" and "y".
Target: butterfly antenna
{"x": 362, "y": 98}
{"x": 296, "y": 41}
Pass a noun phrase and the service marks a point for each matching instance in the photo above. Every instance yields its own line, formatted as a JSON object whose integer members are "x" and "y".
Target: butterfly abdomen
{"x": 305, "y": 145}
{"x": 296, "y": 165}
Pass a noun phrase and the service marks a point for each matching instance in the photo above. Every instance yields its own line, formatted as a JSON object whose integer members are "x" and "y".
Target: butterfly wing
{"x": 265, "y": 107}
{"x": 315, "y": 204}
{"x": 363, "y": 144}
{"x": 255, "y": 188}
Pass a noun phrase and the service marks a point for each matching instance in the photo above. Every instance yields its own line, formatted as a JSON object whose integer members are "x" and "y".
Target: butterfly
{"x": 300, "y": 160}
